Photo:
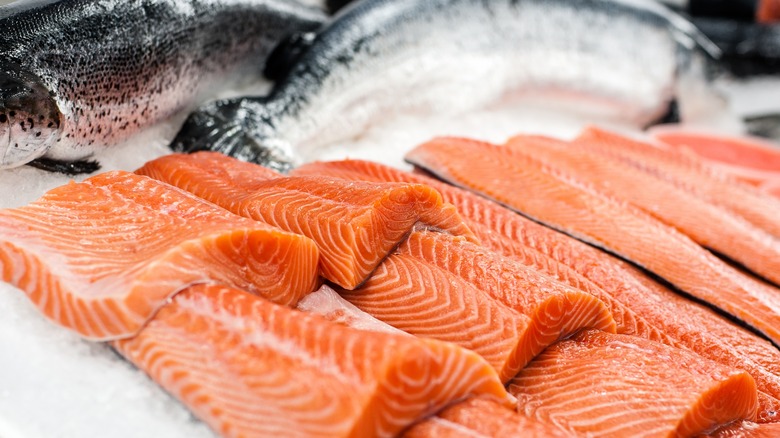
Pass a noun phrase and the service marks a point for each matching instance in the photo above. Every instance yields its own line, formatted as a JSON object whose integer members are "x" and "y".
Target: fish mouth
{"x": 29, "y": 116}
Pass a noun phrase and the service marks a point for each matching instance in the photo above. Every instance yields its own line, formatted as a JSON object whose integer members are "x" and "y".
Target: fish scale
{"x": 79, "y": 76}
{"x": 631, "y": 59}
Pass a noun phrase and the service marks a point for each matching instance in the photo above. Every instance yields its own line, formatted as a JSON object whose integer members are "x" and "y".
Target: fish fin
{"x": 284, "y": 56}
{"x": 79, "y": 167}
{"x": 223, "y": 127}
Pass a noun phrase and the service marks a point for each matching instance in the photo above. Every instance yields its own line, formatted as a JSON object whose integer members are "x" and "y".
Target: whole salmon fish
{"x": 630, "y": 58}
{"x": 77, "y": 76}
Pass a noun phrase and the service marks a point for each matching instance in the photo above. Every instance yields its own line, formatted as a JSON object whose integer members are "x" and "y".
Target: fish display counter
{"x": 401, "y": 218}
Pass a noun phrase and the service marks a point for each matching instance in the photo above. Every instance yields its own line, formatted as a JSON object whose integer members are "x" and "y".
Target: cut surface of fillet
{"x": 705, "y": 223}
{"x": 355, "y": 225}
{"x": 502, "y": 311}
{"x": 481, "y": 418}
{"x": 554, "y": 198}
{"x": 640, "y": 305}
{"x": 101, "y": 256}
{"x": 248, "y": 367}
{"x": 609, "y": 385}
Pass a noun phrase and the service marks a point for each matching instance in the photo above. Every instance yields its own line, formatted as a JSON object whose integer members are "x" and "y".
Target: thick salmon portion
{"x": 248, "y": 367}
{"x": 501, "y": 310}
{"x": 555, "y": 198}
{"x": 613, "y": 385}
{"x": 100, "y": 257}
{"x": 640, "y": 305}
{"x": 355, "y": 225}
{"x": 705, "y": 223}
{"x": 490, "y": 222}
{"x": 688, "y": 173}
{"x": 481, "y": 418}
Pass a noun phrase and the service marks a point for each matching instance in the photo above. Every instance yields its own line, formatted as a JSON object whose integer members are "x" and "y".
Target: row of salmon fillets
{"x": 191, "y": 268}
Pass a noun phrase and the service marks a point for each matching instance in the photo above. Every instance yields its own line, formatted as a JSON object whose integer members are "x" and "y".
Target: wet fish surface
{"x": 630, "y": 58}
{"x": 78, "y": 76}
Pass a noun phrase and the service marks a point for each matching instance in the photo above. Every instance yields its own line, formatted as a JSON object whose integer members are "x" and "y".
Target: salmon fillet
{"x": 355, "y": 225}
{"x": 100, "y": 257}
{"x": 504, "y": 312}
{"x": 705, "y": 223}
{"x": 688, "y": 173}
{"x": 489, "y": 221}
{"x": 613, "y": 385}
{"x": 481, "y": 418}
{"x": 640, "y": 305}
{"x": 581, "y": 210}
{"x": 747, "y": 159}
{"x": 248, "y": 367}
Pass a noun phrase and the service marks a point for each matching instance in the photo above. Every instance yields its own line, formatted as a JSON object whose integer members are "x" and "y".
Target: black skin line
{"x": 65, "y": 167}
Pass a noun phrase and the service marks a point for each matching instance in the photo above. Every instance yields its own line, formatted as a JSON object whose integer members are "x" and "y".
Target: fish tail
{"x": 240, "y": 128}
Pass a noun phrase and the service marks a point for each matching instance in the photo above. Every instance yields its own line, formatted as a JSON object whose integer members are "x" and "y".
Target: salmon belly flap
{"x": 355, "y": 225}
{"x": 249, "y": 367}
{"x": 100, "y": 257}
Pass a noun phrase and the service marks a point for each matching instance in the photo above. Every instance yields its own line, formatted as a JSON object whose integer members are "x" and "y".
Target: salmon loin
{"x": 502, "y": 311}
{"x": 611, "y": 385}
{"x": 481, "y": 418}
{"x": 689, "y": 173}
{"x": 705, "y": 223}
{"x": 248, "y": 367}
{"x": 554, "y": 198}
{"x": 355, "y": 225}
{"x": 101, "y": 256}
{"x": 640, "y": 305}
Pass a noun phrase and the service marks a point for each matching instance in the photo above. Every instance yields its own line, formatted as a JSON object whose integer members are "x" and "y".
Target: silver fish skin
{"x": 81, "y": 75}
{"x": 631, "y": 58}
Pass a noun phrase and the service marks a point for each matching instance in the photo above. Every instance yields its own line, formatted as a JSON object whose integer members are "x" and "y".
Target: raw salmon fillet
{"x": 489, "y": 221}
{"x": 705, "y": 223}
{"x": 689, "y": 173}
{"x": 481, "y": 418}
{"x": 100, "y": 257}
{"x": 640, "y": 305}
{"x": 446, "y": 288}
{"x": 611, "y": 385}
{"x": 248, "y": 367}
{"x": 748, "y": 159}
{"x": 355, "y": 225}
{"x": 562, "y": 202}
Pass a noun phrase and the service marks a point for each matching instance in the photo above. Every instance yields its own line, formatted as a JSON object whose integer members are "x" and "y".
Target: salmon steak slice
{"x": 610, "y": 385}
{"x": 504, "y": 312}
{"x": 689, "y": 173}
{"x": 355, "y": 225}
{"x": 101, "y": 256}
{"x": 248, "y": 367}
{"x": 548, "y": 195}
{"x": 640, "y": 305}
{"x": 705, "y": 223}
{"x": 482, "y": 418}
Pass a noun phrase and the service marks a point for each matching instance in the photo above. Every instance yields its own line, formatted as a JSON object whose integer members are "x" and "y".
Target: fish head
{"x": 29, "y": 117}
